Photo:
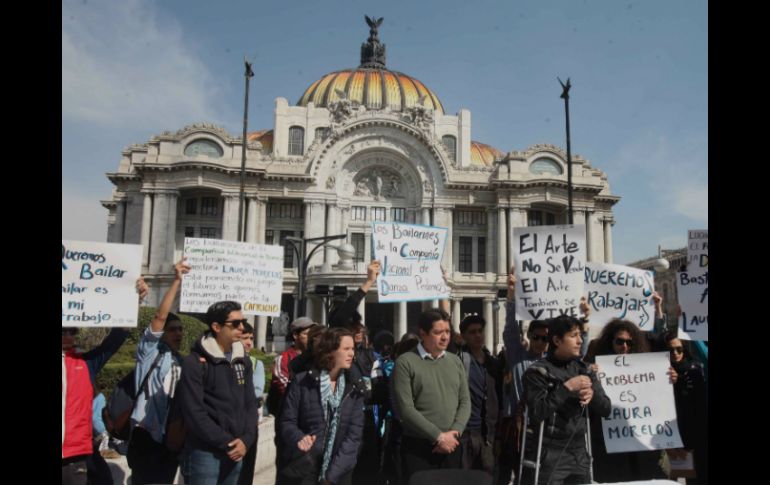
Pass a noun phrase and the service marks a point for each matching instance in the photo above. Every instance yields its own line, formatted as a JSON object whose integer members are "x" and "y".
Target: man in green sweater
{"x": 432, "y": 399}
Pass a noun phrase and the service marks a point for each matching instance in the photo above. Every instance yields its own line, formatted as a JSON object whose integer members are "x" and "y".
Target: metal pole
{"x": 248, "y": 74}
{"x": 565, "y": 96}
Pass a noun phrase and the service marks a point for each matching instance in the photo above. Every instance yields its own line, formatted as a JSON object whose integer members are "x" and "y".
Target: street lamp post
{"x": 248, "y": 74}
{"x": 300, "y": 247}
{"x": 565, "y": 96}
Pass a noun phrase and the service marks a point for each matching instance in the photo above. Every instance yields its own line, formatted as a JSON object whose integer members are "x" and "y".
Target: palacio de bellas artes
{"x": 360, "y": 144}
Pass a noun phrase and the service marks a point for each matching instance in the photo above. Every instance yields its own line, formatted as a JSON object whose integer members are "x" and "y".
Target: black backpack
{"x": 117, "y": 413}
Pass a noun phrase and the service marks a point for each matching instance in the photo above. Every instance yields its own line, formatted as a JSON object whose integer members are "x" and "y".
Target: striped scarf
{"x": 330, "y": 401}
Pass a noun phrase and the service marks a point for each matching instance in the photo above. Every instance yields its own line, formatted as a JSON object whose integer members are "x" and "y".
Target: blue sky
{"x": 638, "y": 108}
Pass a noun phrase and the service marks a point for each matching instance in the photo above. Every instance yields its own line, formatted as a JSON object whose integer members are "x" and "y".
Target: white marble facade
{"x": 389, "y": 161}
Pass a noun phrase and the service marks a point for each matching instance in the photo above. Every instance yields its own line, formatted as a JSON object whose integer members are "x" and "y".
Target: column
{"x": 230, "y": 217}
{"x": 159, "y": 232}
{"x": 448, "y": 253}
{"x": 260, "y": 332}
{"x": 168, "y": 264}
{"x": 608, "y": 240}
{"x": 146, "y": 224}
{"x": 315, "y": 220}
{"x": 490, "y": 242}
{"x": 251, "y": 220}
{"x": 400, "y": 321}
{"x": 261, "y": 220}
{"x": 332, "y": 229}
{"x": 425, "y": 217}
{"x": 456, "y": 315}
{"x": 502, "y": 242}
{"x": 581, "y": 217}
{"x": 120, "y": 221}
{"x": 489, "y": 328}
{"x": 513, "y": 221}
{"x": 597, "y": 238}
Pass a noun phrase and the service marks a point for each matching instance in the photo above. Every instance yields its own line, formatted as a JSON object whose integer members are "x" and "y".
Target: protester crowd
{"x": 354, "y": 408}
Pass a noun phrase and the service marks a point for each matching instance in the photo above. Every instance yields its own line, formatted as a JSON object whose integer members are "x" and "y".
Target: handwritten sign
{"x": 693, "y": 292}
{"x": 98, "y": 284}
{"x": 616, "y": 291}
{"x": 550, "y": 266}
{"x": 697, "y": 251}
{"x": 643, "y": 413}
{"x": 250, "y": 274}
{"x": 410, "y": 255}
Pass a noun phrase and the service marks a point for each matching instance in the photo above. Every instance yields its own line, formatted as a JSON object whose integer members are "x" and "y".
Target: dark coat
{"x": 491, "y": 411}
{"x": 548, "y": 400}
{"x": 303, "y": 415}
{"x": 218, "y": 403}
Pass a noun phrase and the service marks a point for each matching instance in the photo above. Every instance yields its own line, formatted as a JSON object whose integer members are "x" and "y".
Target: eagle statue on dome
{"x": 373, "y": 25}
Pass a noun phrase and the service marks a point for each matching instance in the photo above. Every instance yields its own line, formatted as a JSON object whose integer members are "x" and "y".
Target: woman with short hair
{"x": 322, "y": 418}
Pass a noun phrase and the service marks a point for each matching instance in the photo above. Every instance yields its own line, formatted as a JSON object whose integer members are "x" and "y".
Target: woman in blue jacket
{"x": 322, "y": 420}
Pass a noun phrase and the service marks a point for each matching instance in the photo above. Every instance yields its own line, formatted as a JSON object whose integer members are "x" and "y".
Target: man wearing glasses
{"x": 217, "y": 400}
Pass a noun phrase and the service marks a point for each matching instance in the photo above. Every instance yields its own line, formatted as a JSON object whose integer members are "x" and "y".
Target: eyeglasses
{"x": 542, "y": 338}
{"x": 622, "y": 341}
{"x": 236, "y": 323}
{"x": 677, "y": 350}
{"x": 69, "y": 331}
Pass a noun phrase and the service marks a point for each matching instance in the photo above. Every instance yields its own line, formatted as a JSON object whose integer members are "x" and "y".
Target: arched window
{"x": 450, "y": 143}
{"x": 296, "y": 140}
{"x": 206, "y": 148}
{"x": 545, "y": 166}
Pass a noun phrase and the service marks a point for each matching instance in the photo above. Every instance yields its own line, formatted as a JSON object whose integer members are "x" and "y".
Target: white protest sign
{"x": 697, "y": 251}
{"x": 693, "y": 293}
{"x": 643, "y": 413}
{"x": 410, "y": 255}
{"x": 250, "y": 274}
{"x": 616, "y": 291}
{"x": 550, "y": 265}
{"x": 98, "y": 284}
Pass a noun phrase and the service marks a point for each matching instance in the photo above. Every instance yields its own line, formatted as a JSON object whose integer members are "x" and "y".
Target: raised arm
{"x": 514, "y": 349}
{"x": 180, "y": 268}
{"x": 341, "y": 316}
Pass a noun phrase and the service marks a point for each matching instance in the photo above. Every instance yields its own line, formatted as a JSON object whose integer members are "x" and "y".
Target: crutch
{"x": 588, "y": 447}
{"x": 529, "y": 463}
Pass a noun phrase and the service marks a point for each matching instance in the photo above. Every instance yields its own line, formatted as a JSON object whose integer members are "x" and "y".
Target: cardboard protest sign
{"x": 643, "y": 413}
{"x": 693, "y": 293}
{"x": 550, "y": 266}
{"x": 616, "y": 291}
{"x": 98, "y": 284}
{"x": 410, "y": 255}
{"x": 250, "y": 274}
{"x": 697, "y": 251}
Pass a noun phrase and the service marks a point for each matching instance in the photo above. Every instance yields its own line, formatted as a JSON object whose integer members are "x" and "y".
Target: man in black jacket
{"x": 484, "y": 378}
{"x": 558, "y": 389}
{"x": 217, "y": 399}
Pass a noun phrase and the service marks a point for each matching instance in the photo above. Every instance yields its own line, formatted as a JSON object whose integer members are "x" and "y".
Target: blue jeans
{"x": 206, "y": 468}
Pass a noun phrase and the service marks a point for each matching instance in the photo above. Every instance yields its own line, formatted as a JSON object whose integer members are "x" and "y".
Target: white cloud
{"x": 123, "y": 65}
{"x": 82, "y": 217}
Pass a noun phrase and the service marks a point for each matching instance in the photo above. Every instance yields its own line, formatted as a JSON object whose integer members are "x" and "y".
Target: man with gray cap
{"x": 281, "y": 372}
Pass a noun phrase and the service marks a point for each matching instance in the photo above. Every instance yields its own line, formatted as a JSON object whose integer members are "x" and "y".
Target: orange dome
{"x": 373, "y": 88}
